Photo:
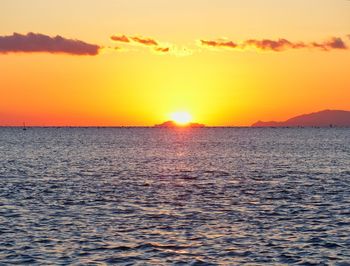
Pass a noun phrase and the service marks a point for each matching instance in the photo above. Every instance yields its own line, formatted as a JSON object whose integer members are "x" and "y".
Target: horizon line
{"x": 91, "y": 126}
{"x": 171, "y": 128}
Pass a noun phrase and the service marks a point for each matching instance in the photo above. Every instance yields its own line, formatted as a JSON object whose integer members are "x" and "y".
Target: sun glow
{"x": 181, "y": 118}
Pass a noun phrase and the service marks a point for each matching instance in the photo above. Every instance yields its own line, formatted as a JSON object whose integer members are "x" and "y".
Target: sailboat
{"x": 24, "y": 126}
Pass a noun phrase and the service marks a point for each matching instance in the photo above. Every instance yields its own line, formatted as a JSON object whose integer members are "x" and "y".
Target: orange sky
{"x": 234, "y": 78}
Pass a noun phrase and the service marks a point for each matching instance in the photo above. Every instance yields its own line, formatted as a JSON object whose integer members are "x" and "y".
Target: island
{"x": 172, "y": 124}
{"x": 326, "y": 118}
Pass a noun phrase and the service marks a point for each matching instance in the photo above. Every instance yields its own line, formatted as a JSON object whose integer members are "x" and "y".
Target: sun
{"x": 181, "y": 118}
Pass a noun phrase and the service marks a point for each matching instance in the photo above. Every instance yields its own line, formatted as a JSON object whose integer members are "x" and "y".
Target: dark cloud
{"x": 145, "y": 41}
{"x": 274, "y": 45}
{"x": 277, "y": 45}
{"x": 35, "y": 42}
{"x": 121, "y": 38}
{"x": 334, "y": 43}
{"x": 227, "y": 44}
{"x": 162, "y": 49}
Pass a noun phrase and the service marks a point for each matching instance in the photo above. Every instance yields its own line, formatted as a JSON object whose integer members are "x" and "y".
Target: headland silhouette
{"x": 326, "y": 118}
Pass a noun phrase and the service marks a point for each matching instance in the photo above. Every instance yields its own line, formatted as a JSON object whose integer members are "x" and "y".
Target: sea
{"x": 186, "y": 196}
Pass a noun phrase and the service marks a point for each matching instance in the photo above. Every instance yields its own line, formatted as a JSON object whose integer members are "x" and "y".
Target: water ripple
{"x": 174, "y": 197}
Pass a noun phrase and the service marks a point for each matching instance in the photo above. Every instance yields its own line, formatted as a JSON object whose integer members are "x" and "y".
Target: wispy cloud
{"x": 334, "y": 43}
{"x": 155, "y": 45}
{"x": 36, "y": 42}
{"x": 273, "y": 45}
{"x": 136, "y": 39}
{"x": 145, "y": 41}
{"x": 219, "y": 43}
{"x": 162, "y": 49}
{"x": 121, "y": 38}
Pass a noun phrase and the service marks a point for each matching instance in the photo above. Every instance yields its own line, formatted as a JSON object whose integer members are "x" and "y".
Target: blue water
{"x": 219, "y": 196}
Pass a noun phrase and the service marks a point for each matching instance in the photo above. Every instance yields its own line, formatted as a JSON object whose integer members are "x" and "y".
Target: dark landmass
{"x": 172, "y": 124}
{"x": 326, "y": 118}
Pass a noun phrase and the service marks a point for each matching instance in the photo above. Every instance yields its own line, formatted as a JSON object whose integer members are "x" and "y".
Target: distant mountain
{"x": 172, "y": 124}
{"x": 326, "y": 118}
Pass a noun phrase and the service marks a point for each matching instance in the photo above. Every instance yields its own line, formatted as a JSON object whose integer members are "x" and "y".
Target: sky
{"x": 136, "y": 62}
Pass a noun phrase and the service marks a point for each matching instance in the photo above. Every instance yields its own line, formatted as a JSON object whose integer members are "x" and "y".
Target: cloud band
{"x": 335, "y": 43}
{"x": 36, "y": 42}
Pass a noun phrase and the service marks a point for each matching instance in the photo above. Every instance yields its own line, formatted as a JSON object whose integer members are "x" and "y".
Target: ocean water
{"x": 143, "y": 196}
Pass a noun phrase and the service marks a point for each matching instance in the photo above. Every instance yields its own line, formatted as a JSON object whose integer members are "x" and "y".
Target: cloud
{"x": 136, "y": 39}
{"x": 36, "y": 42}
{"x": 273, "y": 45}
{"x": 162, "y": 49}
{"x": 219, "y": 43}
{"x": 121, "y": 38}
{"x": 337, "y": 43}
{"x": 333, "y": 43}
{"x": 145, "y": 41}
{"x": 277, "y": 45}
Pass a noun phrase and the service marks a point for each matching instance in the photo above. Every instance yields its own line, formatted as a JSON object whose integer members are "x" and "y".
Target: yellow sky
{"x": 135, "y": 85}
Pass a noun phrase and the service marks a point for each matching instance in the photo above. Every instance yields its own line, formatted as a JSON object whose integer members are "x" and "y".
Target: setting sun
{"x": 181, "y": 118}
